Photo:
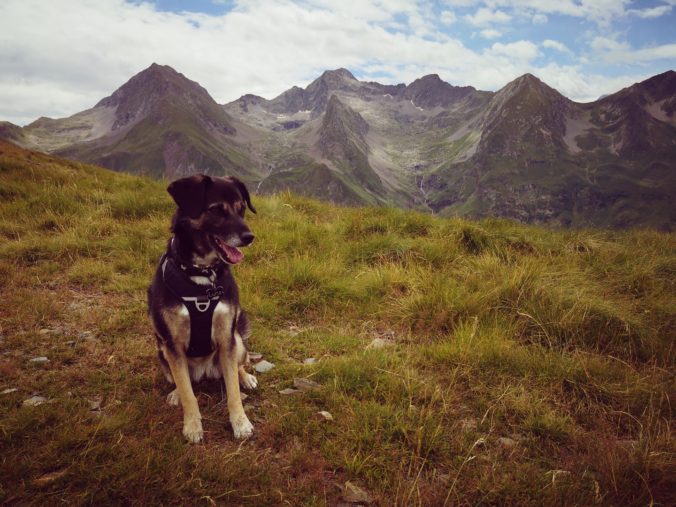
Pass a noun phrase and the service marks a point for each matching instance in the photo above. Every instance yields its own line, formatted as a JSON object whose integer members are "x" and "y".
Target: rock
{"x": 34, "y": 401}
{"x": 95, "y": 404}
{"x": 309, "y": 360}
{"x": 44, "y": 331}
{"x": 354, "y": 494}
{"x": 263, "y": 366}
{"x": 255, "y": 356}
{"x": 86, "y": 335}
{"x": 506, "y": 442}
{"x": 9, "y": 390}
{"x": 37, "y": 360}
{"x": 288, "y": 391}
{"x": 325, "y": 415}
{"x": 379, "y": 343}
{"x": 70, "y": 343}
{"x": 304, "y": 384}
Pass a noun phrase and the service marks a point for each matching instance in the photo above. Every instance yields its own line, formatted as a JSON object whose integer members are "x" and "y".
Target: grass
{"x": 528, "y": 366}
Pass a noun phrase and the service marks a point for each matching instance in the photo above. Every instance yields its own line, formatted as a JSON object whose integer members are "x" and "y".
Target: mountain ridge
{"x": 524, "y": 152}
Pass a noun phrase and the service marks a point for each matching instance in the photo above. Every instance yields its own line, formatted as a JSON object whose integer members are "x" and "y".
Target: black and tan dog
{"x": 193, "y": 300}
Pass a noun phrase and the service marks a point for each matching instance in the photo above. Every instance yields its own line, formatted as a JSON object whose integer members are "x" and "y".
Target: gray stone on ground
{"x": 309, "y": 360}
{"x": 379, "y": 343}
{"x": 506, "y": 442}
{"x": 288, "y": 391}
{"x": 34, "y": 401}
{"x": 255, "y": 356}
{"x": 325, "y": 415}
{"x": 263, "y": 366}
{"x": 354, "y": 494}
{"x": 41, "y": 359}
{"x": 9, "y": 390}
{"x": 304, "y": 384}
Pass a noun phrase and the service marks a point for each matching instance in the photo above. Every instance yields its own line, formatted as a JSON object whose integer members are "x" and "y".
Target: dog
{"x": 193, "y": 300}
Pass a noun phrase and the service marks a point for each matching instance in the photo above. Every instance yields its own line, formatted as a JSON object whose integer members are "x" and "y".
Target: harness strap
{"x": 200, "y": 301}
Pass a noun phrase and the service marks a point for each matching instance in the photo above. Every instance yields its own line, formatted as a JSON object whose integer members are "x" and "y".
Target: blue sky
{"x": 62, "y": 56}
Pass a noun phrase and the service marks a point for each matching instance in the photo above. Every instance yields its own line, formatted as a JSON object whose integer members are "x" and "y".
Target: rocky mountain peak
{"x": 431, "y": 91}
{"x": 140, "y": 96}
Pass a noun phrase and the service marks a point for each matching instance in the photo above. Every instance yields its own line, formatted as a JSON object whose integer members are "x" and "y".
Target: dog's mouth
{"x": 227, "y": 253}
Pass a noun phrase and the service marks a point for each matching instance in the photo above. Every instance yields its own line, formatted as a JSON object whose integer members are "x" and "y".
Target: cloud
{"x": 539, "y": 19}
{"x": 448, "y": 17}
{"x": 490, "y": 33}
{"x": 522, "y": 50}
{"x": 654, "y": 12}
{"x": 54, "y": 63}
{"x": 558, "y": 46}
{"x": 484, "y": 16}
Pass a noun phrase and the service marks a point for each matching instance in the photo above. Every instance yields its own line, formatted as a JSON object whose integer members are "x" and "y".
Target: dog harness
{"x": 200, "y": 300}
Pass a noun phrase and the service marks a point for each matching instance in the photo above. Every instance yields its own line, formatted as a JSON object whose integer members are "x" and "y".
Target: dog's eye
{"x": 218, "y": 210}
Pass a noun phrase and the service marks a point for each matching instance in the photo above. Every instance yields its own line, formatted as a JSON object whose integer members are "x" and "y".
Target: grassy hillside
{"x": 521, "y": 366}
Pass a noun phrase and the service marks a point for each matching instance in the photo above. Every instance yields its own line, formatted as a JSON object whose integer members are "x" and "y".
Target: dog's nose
{"x": 247, "y": 238}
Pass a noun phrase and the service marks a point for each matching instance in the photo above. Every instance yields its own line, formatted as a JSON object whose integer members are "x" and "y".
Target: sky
{"x": 59, "y": 57}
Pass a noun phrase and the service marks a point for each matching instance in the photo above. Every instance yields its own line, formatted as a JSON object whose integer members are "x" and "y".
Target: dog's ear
{"x": 244, "y": 191}
{"x": 189, "y": 193}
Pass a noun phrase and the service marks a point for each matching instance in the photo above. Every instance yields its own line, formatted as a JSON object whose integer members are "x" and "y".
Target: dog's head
{"x": 211, "y": 211}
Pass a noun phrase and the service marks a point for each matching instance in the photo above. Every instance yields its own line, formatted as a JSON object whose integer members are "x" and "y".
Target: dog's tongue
{"x": 232, "y": 254}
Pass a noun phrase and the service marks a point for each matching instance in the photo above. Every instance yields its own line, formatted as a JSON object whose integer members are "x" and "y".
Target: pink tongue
{"x": 233, "y": 254}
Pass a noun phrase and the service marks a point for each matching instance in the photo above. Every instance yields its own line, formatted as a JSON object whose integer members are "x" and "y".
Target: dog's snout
{"x": 247, "y": 238}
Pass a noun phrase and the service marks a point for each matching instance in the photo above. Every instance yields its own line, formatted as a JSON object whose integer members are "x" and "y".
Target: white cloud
{"x": 654, "y": 12}
{"x": 558, "y": 46}
{"x": 484, "y": 16}
{"x": 62, "y": 56}
{"x": 522, "y": 50}
{"x": 490, "y": 33}
{"x": 448, "y": 17}
{"x": 539, "y": 19}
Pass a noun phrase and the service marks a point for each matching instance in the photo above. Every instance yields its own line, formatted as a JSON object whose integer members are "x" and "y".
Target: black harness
{"x": 200, "y": 300}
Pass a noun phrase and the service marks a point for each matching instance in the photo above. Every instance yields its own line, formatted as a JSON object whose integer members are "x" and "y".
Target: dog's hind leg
{"x": 192, "y": 419}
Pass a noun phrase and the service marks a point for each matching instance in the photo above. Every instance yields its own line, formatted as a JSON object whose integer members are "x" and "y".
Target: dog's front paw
{"x": 173, "y": 399}
{"x": 241, "y": 426}
{"x": 192, "y": 430}
{"x": 248, "y": 381}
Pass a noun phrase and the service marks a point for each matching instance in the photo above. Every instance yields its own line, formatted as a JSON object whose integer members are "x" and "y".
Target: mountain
{"x": 158, "y": 123}
{"x": 525, "y": 152}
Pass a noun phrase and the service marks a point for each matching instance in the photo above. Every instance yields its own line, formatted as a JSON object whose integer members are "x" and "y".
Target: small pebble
{"x": 263, "y": 366}
{"x": 44, "y": 331}
{"x": 288, "y": 391}
{"x": 34, "y": 401}
{"x": 41, "y": 359}
{"x": 379, "y": 343}
{"x": 9, "y": 390}
{"x": 354, "y": 494}
{"x": 304, "y": 384}
{"x": 255, "y": 356}
{"x": 325, "y": 415}
{"x": 506, "y": 442}
{"x": 309, "y": 360}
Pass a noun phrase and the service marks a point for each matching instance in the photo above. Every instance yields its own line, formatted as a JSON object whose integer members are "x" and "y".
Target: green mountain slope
{"x": 477, "y": 362}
